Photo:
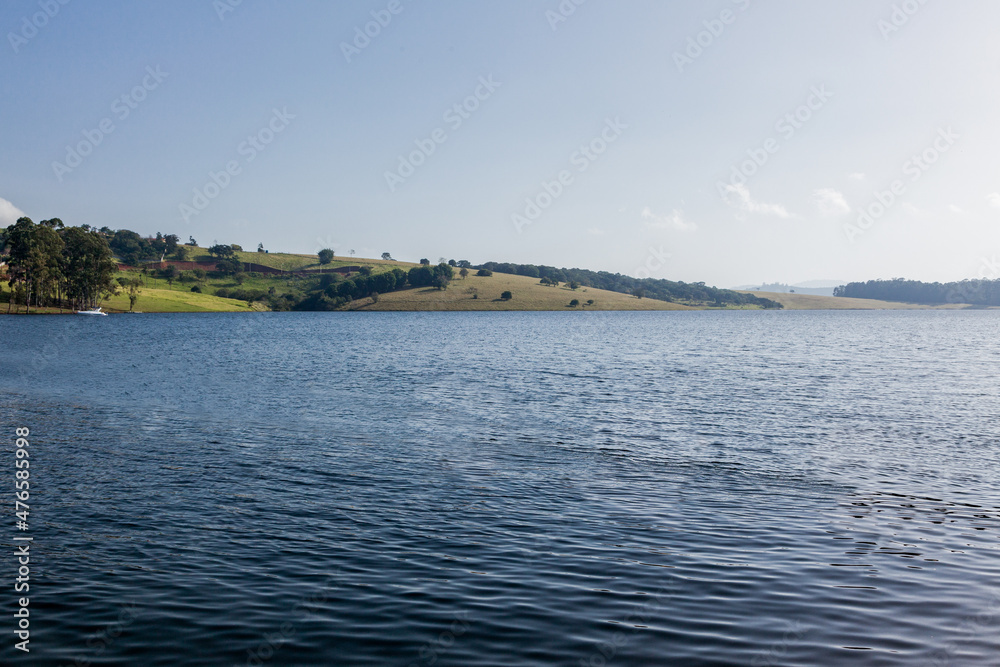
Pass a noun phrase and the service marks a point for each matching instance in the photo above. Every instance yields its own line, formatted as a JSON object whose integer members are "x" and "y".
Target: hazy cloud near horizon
{"x": 9, "y": 213}
{"x": 751, "y": 142}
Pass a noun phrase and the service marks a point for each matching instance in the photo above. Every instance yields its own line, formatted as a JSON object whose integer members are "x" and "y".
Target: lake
{"x": 417, "y": 489}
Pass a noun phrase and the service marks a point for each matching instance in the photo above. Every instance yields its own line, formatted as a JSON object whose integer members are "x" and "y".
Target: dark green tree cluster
{"x": 663, "y": 290}
{"x": 132, "y": 248}
{"x": 427, "y": 276}
{"x": 332, "y": 295}
{"x": 50, "y": 264}
{"x": 975, "y": 292}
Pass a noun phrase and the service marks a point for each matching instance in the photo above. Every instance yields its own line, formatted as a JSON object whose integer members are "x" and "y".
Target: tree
{"x": 506, "y": 296}
{"x": 365, "y": 270}
{"x": 387, "y": 257}
{"x": 170, "y": 274}
{"x": 260, "y": 247}
{"x": 574, "y": 285}
{"x": 443, "y": 269}
{"x": 88, "y": 266}
{"x": 237, "y": 248}
{"x": 131, "y": 247}
{"x": 574, "y": 303}
{"x": 464, "y": 264}
{"x": 222, "y": 251}
{"x": 180, "y": 253}
{"x": 425, "y": 261}
{"x": 452, "y": 262}
{"x": 484, "y": 273}
{"x": 240, "y": 277}
{"x": 325, "y": 256}
{"x": 464, "y": 273}
{"x": 171, "y": 242}
{"x": 420, "y": 276}
{"x": 158, "y": 245}
{"x": 34, "y": 260}
{"x": 228, "y": 266}
{"x": 132, "y": 287}
{"x": 590, "y": 302}
{"x": 191, "y": 241}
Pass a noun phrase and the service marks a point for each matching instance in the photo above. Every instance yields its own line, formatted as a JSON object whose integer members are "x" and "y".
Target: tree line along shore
{"x": 51, "y": 267}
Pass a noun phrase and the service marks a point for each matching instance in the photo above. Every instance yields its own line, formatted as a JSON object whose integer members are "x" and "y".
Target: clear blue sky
{"x": 883, "y": 89}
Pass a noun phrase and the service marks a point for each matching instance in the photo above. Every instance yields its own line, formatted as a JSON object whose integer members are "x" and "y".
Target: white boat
{"x": 92, "y": 311}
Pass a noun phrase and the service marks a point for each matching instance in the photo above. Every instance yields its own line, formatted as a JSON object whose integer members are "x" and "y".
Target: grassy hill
{"x": 177, "y": 301}
{"x": 470, "y": 293}
{"x": 528, "y": 295}
{"x": 159, "y": 296}
{"x": 813, "y": 302}
{"x": 167, "y": 300}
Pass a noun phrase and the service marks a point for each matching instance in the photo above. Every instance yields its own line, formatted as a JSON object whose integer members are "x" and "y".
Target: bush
{"x": 506, "y": 296}
{"x": 196, "y": 288}
{"x": 484, "y": 273}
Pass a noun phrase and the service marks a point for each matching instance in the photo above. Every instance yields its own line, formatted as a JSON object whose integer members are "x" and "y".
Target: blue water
{"x": 687, "y": 488}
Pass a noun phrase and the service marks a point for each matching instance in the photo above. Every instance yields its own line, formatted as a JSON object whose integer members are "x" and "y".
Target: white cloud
{"x": 955, "y": 209}
{"x": 594, "y": 231}
{"x": 913, "y": 210}
{"x": 831, "y": 202}
{"x": 856, "y": 176}
{"x": 994, "y": 199}
{"x": 748, "y": 203}
{"x": 9, "y": 213}
{"x": 675, "y": 221}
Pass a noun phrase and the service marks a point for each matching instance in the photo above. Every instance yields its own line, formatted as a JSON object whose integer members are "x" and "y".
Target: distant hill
{"x": 797, "y": 289}
{"x": 810, "y": 287}
{"x": 698, "y": 294}
{"x": 799, "y": 301}
{"x": 985, "y": 293}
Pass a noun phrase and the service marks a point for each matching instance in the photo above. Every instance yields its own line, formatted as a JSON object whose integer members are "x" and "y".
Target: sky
{"x": 730, "y": 141}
